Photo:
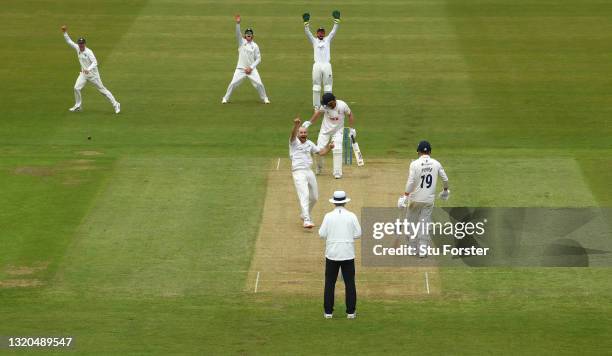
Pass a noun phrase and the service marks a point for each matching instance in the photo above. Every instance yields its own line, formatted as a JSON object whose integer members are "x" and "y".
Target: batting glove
{"x": 352, "y": 132}
{"x": 306, "y": 18}
{"x": 444, "y": 194}
{"x": 402, "y": 201}
{"x": 306, "y": 124}
{"x": 336, "y": 16}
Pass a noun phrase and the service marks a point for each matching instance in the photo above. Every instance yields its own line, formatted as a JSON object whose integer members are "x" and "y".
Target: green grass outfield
{"x": 140, "y": 239}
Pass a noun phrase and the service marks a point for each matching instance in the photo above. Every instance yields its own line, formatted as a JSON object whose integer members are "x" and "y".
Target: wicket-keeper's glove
{"x": 336, "y": 16}
{"x": 306, "y": 124}
{"x": 306, "y": 18}
{"x": 401, "y": 202}
{"x": 444, "y": 194}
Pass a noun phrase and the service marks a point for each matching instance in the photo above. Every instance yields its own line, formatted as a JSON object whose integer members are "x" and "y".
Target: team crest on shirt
{"x": 333, "y": 115}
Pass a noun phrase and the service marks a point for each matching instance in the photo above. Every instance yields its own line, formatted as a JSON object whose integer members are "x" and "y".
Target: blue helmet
{"x": 327, "y": 97}
{"x": 424, "y": 147}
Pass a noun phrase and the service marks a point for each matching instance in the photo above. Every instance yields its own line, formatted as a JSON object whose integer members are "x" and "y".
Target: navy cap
{"x": 81, "y": 40}
{"x": 248, "y": 31}
{"x": 327, "y": 97}
{"x": 424, "y": 147}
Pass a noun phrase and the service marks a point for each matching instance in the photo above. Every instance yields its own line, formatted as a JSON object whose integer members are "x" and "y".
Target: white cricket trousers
{"x": 239, "y": 76}
{"x": 322, "y": 78}
{"x": 337, "y": 137}
{"x": 420, "y": 212}
{"x": 307, "y": 191}
{"x": 97, "y": 82}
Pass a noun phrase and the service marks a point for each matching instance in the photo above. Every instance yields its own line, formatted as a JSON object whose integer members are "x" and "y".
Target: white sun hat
{"x": 339, "y": 197}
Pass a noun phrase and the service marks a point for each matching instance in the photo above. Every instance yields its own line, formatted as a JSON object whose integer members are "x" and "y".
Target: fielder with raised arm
{"x": 300, "y": 152}
{"x": 334, "y": 111}
{"x": 420, "y": 191}
{"x": 248, "y": 59}
{"x": 89, "y": 73}
{"x": 321, "y": 69}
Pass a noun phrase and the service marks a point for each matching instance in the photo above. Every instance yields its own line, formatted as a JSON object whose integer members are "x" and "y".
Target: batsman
{"x": 334, "y": 111}
{"x": 420, "y": 192}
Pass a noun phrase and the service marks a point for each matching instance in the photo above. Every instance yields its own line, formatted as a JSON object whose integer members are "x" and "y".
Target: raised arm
{"x": 68, "y": 39}
{"x": 336, "y": 16}
{"x": 309, "y": 35}
{"x": 332, "y": 34}
{"x": 306, "y": 18}
{"x": 238, "y": 32}
{"x": 296, "y": 127}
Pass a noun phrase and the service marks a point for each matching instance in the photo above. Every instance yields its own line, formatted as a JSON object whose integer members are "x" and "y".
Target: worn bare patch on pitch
{"x": 290, "y": 259}
{"x": 13, "y": 276}
{"x": 26, "y": 270}
{"x": 20, "y": 283}
{"x": 90, "y": 153}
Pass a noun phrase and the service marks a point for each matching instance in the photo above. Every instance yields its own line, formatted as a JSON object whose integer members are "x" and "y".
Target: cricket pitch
{"x": 289, "y": 259}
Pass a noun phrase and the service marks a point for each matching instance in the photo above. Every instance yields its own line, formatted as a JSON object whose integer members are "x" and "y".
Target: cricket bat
{"x": 357, "y": 151}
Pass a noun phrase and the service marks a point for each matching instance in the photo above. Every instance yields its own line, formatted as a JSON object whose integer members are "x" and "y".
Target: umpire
{"x": 339, "y": 229}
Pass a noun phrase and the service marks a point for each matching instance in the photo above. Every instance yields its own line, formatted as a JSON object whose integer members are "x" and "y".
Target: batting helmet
{"x": 424, "y": 147}
{"x": 327, "y": 97}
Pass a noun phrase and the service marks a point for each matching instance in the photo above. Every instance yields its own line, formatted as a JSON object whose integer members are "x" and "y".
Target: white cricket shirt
{"x": 301, "y": 154}
{"x": 339, "y": 229}
{"x": 86, "y": 58}
{"x": 422, "y": 179}
{"x": 333, "y": 119}
{"x": 322, "y": 48}
{"x": 248, "y": 52}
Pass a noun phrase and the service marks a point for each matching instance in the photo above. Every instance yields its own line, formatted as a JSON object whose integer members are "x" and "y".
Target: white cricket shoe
{"x": 328, "y": 316}
{"x": 266, "y": 101}
{"x": 117, "y": 107}
{"x": 351, "y": 316}
{"x": 308, "y": 224}
{"x": 337, "y": 175}
{"x": 75, "y": 108}
{"x": 223, "y": 101}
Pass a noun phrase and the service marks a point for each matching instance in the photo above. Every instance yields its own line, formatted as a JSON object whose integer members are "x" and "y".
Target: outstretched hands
{"x": 237, "y": 18}
{"x": 64, "y": 28}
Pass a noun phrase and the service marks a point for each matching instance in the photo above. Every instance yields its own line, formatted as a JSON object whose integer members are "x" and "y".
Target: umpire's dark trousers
{"x": 348, "y": 274}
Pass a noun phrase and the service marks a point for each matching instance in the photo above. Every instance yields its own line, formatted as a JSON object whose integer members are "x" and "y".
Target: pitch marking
{"x": 256, "y": 281}
{"x": 426, "y": 282}
{"x": 278, "y": 163}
